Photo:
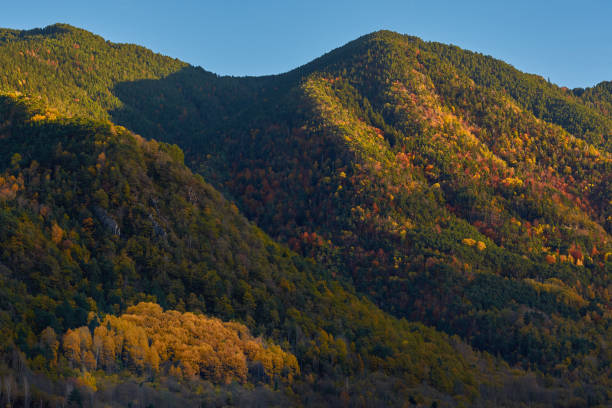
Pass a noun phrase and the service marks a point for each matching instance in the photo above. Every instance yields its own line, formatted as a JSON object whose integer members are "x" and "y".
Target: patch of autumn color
{"x": 512, "y": 182}
{"x": 515, "y": 222}
{"x": 564, "y": 293}
{"x": 551, "y": 259}
{"x": 50, "y": 114}
{"x": 88, "y": 381}
{"x": 481, "y": 246}
{"x": 38, "y": 117}
{"x": 469, "y": 241}
{"x": 147, "y": 339}
{"x": 8, "y": 189}
{"x": 88, "y": 224}
{"x": 57, "y": 233}
{"x": 576, "y": 253}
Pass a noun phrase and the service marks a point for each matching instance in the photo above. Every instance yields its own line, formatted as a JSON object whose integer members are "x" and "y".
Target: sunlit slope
{"x": 73, "y": 70}
{"x": 96, "y": 219}
{"x": 443, "y": 197}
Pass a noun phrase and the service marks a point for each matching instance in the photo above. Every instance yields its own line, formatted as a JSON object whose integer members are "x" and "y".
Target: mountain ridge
{"x": 355, "y": 145}
{"x": 393, "y": 167}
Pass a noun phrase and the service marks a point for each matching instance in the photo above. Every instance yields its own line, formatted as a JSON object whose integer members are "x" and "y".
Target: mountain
{"x": 96, "y": 219}
{"x": 448, "y": 196}
{"x": 412, "y": 181}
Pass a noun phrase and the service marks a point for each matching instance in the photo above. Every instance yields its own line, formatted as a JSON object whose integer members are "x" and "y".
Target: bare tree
{"x": 26, "y": 392}
{"x": 8, "y": 387}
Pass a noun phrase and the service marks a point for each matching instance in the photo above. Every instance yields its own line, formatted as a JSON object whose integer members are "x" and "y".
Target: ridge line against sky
{"x": 569, "y": 43}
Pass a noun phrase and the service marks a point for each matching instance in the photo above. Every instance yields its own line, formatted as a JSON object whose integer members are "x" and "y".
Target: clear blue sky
{"x": 568, "y": 41}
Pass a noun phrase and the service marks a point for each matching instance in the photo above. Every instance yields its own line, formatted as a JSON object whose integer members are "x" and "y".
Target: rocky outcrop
{"x": 109, "y": 223}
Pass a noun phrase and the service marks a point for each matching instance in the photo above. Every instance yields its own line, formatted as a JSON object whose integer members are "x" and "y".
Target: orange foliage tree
{"x": 147, "y": 339}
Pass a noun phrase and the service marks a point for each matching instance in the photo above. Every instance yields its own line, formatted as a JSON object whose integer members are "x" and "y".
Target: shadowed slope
{"x": 444, "y": 198}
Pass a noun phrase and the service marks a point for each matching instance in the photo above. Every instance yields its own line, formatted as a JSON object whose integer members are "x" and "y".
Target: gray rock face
{"x": 106, "y": 220}
{"x": 158, "y": 231}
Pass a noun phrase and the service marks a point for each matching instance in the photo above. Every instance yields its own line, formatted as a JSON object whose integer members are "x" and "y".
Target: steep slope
{"x": 95, "y": 219}
{"x": 446, "y": 199}
{"x": 447, "y": 186}
{"x": 546, "y": 101}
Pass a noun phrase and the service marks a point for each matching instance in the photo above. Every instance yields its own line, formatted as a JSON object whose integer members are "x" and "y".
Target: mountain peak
{"x": 56, "y": 30}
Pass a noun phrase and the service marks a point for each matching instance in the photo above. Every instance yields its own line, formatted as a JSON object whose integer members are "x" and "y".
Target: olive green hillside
{"x": 443, "y": 186}
{"x": 96, "y": 220}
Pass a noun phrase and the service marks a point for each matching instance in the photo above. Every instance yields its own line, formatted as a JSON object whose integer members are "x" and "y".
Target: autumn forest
{"x": 396, "y": 223}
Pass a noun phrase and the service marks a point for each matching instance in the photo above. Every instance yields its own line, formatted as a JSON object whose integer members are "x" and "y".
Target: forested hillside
{"x": 402, "y": 181}
{"x": 73, "y": 70}
{"x": 446, "y": 199}
{"x": 96, "y": 219}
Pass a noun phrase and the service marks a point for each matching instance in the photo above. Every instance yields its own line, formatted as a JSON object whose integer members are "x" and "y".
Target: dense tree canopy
{"x": 428, "y": 208}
